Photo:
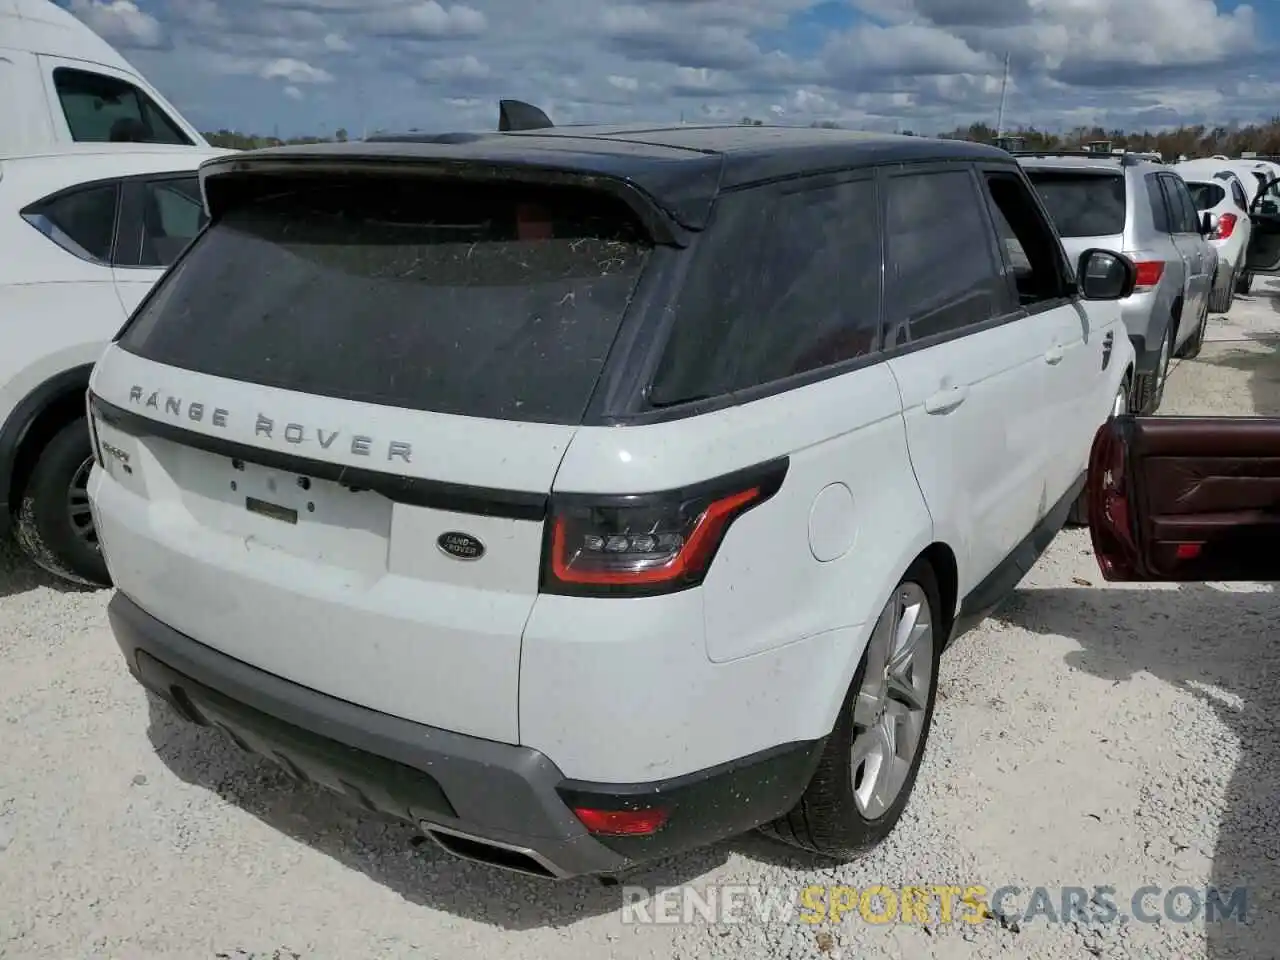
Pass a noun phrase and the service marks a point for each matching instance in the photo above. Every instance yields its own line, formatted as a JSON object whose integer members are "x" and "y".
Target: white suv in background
{"x": 585, "y": 498}
{"x": 86, "y": 230}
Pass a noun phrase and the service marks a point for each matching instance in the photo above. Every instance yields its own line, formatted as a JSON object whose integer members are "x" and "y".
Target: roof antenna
{"x": 518, "y": 115}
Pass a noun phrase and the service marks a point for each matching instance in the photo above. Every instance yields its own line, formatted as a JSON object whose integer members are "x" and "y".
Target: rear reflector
{"x": 621, "y": 823}
{"x": 1149, "y": 273}
{"x": 1188, "y": 551}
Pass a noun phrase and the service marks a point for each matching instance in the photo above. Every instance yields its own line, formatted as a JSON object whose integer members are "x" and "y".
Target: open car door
{"x": 1263, "y": 255}
{"x": 1186, "y": 498}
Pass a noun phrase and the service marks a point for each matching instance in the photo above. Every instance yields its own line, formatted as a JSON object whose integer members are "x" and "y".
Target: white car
{"x": 585, "y": 496}
{"x": 63, "y": 84}
{"x": 86, "y": 230}
{"x": 1220, "y": 192}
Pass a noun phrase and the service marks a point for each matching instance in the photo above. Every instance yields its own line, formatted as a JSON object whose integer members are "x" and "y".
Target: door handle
{"x": 946, "y": 400}
{"x": 1053, "y": 354}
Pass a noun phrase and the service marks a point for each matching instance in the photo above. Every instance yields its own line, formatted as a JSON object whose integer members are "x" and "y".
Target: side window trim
{"x": 32, "y": 211}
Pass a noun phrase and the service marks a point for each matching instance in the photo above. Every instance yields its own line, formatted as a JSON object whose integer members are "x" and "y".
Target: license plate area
{"x": 272, "y": 510}
{"x": 317, "y": 520}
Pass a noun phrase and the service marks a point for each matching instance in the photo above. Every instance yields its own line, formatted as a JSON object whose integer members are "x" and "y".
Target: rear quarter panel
{"x": 763, "y": 652}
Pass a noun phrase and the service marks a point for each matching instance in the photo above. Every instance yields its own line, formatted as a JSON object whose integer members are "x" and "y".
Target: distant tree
{"x": 749, "y": 122}
{"x": 825, "y": 125}
{"x": 341, "y": 135}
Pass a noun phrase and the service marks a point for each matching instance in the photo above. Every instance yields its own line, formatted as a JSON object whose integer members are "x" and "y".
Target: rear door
{"x": 331, "y": 430}
{"x": 973, "y": 369}
{"x": 1264, "y": 243}
{"x": 1186, "y": 499}
{"x": 1195, "y": 252}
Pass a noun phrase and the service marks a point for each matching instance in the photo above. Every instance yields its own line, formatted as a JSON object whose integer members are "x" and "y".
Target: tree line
{"x": 1190, "y": 141}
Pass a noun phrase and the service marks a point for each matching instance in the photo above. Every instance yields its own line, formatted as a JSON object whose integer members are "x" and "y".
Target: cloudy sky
{"x": 312, "y": 66}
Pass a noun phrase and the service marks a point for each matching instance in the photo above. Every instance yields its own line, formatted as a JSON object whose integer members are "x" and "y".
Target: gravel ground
{"x": 1088, "y": 735}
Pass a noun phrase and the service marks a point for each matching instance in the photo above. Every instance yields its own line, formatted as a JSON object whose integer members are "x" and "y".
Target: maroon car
{"x": 1186, "y": 498}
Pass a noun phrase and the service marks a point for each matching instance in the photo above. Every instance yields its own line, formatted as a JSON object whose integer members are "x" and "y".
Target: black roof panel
{"x": 681, "y": 168}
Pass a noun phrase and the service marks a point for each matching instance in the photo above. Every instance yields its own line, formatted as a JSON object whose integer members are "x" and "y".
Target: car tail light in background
{"x": 638, "y": 545}
{"x": 1226, "y": 226}
{"x": 1149, "y": 273}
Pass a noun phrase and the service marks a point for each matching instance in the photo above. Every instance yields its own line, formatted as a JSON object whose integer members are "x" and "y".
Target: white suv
{"x": 586, "y": 495}
{"x": 86, "y": 229}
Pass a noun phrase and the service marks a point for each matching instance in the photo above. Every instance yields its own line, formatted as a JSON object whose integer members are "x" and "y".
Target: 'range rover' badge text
{"x": 460, "y": 546}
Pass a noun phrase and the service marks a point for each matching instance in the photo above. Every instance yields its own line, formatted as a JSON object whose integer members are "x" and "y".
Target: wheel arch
{"x": 39, "y": 415}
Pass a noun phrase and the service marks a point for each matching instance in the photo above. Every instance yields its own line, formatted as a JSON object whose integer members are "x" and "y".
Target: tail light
{"x": 1226, "y": 226}
{"x": 641, "y": 545}
{"x": 1149, "y": 273}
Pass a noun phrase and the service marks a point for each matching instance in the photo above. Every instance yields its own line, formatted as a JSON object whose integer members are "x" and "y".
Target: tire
{"x": 55, "y": 533}
{"x": 1244, "y": 282}
{"x": 834, "y": 817}
{"x": 1148, "y": 388}
{"x": 1220, "y": 297}
{"x": 1079, "y": 515}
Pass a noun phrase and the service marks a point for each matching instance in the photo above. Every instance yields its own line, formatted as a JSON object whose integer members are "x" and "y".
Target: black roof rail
{"x": 518, "y": 115}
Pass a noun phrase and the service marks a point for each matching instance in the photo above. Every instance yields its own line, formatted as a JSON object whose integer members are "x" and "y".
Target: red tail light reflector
{"x": 621, "y": 823}
{"x": 647, "y": 544}
{"x": 1149, "y": 273}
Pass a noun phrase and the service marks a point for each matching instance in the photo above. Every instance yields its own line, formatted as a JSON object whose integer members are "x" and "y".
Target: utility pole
{"x": 1004, "y": 92}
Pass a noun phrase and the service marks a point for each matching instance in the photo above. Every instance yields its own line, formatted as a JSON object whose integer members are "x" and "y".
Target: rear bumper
{"x": 502, "y": 804}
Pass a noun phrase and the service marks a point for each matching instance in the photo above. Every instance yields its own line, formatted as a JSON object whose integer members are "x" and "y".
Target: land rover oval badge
{"x": 460, "y": 546}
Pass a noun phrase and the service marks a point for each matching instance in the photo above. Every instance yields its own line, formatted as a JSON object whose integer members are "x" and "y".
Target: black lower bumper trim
{"x": 499, "y": 803}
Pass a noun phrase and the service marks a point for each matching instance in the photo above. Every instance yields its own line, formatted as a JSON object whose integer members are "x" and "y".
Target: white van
{"x": 64, "y": 84}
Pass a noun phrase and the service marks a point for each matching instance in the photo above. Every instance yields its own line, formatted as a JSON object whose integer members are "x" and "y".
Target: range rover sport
{"x": 585, "y": 495}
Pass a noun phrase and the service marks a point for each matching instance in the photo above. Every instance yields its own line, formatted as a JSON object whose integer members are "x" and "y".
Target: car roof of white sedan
{"x": 49, "y": 170}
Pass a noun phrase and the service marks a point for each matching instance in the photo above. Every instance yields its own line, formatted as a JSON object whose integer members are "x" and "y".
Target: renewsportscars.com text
{"x": 931, "y": 904}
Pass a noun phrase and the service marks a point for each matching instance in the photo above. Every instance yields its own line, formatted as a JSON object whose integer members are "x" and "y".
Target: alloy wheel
{"x": 79, "y": 513}
{"x": 891, "y": 706}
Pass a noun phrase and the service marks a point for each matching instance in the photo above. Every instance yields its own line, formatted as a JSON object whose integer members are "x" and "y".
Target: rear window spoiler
{"x": 231, "y": 182}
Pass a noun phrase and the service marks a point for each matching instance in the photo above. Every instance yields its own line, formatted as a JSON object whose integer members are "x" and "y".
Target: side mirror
{"x": 1105, "y": 275}
{"x": 1206, "y": 224}
{"x": 1212, "y": 220}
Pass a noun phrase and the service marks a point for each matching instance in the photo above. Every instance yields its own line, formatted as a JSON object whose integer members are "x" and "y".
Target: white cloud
{"x": 294, "y": 71}
{"x": 120, "y": 22}
{"x": 293, "y": 93}
{"x": 920, "y": 64}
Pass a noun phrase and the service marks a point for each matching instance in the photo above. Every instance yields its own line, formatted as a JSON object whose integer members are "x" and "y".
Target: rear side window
{"x": 1206, "y": 196}
{"x": 172, "y": 215}
{"x": 940, "y": 270}
{"x": 1083, "y": 204}
{"x": 782, "y": 284}
{"x": 489, "y": 300}
{"x": 1237, "y": 194}
{"x": 99, "y": 108}
{"x": 1161, "y": 219}
{"x": 81, "y": 221}
{"x": 1182, "y": 210}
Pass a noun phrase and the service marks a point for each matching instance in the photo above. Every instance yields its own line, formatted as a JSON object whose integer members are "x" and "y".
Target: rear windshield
{"x": 493, "y": 300}
{"x": 1206, "y": 195}
{"x": 1082, "y": 205}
